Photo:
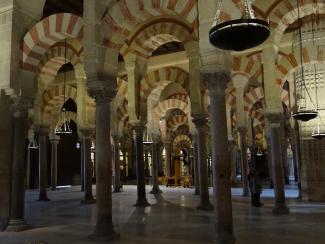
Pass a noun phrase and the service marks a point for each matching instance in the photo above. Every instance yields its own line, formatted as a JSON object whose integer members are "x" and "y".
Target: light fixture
{"x": 32, "y": 144}
{"x": 93, "y": 148}
{"x": 63, "y": 125}
{"x": 259, "y": 152}
{"x": 147, "y": 140}
{"x": 318, "y": 132}
{"x": 239, "y": 34}
{"x": 302, "y": 113}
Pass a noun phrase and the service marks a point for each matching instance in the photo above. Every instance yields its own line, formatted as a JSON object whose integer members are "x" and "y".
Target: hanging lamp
{"x": 239, "y": 34}
{"x": 259, "y": 152}
{"x": 302, "y": 113}
{"x": 32, "y": 144}
{"x": 63, "y": 125}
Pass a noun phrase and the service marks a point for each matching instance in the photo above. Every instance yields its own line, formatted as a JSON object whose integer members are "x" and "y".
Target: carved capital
{"x": 274, "y": 119}
{"x": 20, "y": 106}
{"x": 200, "y": 121}
{"x": 216, "y": 82}
{"x": 101, "y": 92}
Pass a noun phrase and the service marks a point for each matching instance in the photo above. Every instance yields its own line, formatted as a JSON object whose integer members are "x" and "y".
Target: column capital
{"x": 101, "y": 91}
{"x": 42, "y": 130}
{"x": 20, "y": 106}
{"x": 200, "y": 120}
{"x": 86, "y": 132}
{"x": 216, "y": 81}
{"x": 54, "y": 140}
{"x": 242, "y": 129}
{"x": 274, "y": 119}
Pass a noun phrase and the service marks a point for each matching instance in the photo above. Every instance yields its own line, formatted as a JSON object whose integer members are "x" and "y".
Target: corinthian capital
{"x": 216, "y": 81}
{"x": 102, "y": 92}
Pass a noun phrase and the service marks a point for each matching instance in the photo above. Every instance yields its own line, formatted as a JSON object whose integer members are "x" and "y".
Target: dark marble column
{"x": 43, "y": 133}
{"x": 280, "y": 206}
{"x": 17, "y": 203}
{"x": 168, "y": 156}
{"x": 141, "y": 186}
{"x": 269, "y": 160}
{"x": 216, "y": 83}
{"x": 200, "y": 122}
{"x": 54, "y": 163}
{"x": 196, "y": 167}
{"x": 155, "y": 169}
{"x": 87, "y": 169}
{"x": 243, "y": 159}
{"x": 117, "y": 176}
{"x": 104, "y": 230}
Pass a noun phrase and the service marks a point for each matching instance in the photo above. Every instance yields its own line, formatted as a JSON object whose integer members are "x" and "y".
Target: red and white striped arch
{"x": 172, "y": 74}
{"x": 253, "y": 96}
{"x": 175, "y": 121}
{"x": 55, "y": 95}
{"x": 180, "y": 96}
{"x": 169, "y": 104}
{"x": 126, "y": 16}
{"x": 181, "y": 141}
{"x": 248, "y": 67}
{"x": 46, "y": 33}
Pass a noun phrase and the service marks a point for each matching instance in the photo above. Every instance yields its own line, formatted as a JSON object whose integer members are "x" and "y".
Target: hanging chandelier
{"x": 239, "y": 34}
{"x": 319, "y": 132}
{"x": 259, "y": 152}
{"x": 32, "y": 144}
{"x": 63, "y": 126}
{"x": 147, "y": 140}
{"x": 302, "y": 113}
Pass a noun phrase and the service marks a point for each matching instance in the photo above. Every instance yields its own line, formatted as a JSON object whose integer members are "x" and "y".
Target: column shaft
{"x": 54, "y": 164}
{"x": 17, "y": 203}
{"x": 87, "y": 171}
{"x": 117, "y": 177}
{"x": 200, "y": 124}
{"x": 43, "y": 184}
{"x": 243, "y": 159}
{"x": 141, "y": 186}
{"x": 168, "y": 155}
{"x": 196, "y": 168}
{"x": 155, "y": 169}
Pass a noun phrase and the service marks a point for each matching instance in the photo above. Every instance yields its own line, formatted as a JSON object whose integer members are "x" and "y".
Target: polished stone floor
{"x": 172, "y": 218}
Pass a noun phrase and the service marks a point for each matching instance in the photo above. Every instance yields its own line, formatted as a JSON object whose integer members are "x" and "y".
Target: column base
{"x": 246, "y": 193}
{"x": 16, "y": 225}
{"x": 117, "y": 189}
{"x": 205, "y": 206}
{"x": 142, "y": 203}
{"x": 155, "y": 191}
{"x": 226, "y": 239}
{"x": 105, "y": 237}
{"x": 280, "y": 209}
{"x": 88, "y": 201}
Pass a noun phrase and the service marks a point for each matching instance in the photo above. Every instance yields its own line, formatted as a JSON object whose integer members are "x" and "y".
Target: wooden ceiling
{"x": 63, "y": 6}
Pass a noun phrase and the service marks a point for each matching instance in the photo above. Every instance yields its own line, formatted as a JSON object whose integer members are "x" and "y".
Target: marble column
{"x": 17, "y": 202}
{"x": 155, "y": 168}
{"x": 117, "y": 176}
{"x": 196, "y": 167}
{"x": 201, "y": 126}
{"x": 87, "y": 168}
{"x": 104, "y": 230}
{"x": 297, "y": 152}
{"x": 280, "y": 206}
{"x": 168, "y": 156}
{"x": 54, "y": 163}
{"x": 244, "y": 163}
{"x": 269, "y": 160}
{"x": 42, "y": 163}
{"x": 216, "y": 83}
{"x": 141, "y": 186}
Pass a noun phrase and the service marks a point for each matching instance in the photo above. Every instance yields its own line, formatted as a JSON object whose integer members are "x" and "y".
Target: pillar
{"x": 54, "y": 163}
{"x": 269, "y": 159}
{"x": 104, "y": 230}
{"x": 280, "y": 206}
{"x": 141, "y": 186}
{"x": 168, "y": 155}
{"x": 155, "y": 167}
{"x": 17, "y": 203}
{"x": 243, "y": 159}
{"x": 42, "y": 163}
{"x": 201, "y": 125}
{"x": 196, "y": 167}
{"x": 87, "y": 168}
{"x": 117, "y": 176}
{"x": 221, "y": 169}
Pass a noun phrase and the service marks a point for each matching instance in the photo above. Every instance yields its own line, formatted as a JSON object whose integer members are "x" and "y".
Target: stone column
{"x": 201, "y": 125}
{"x": 280, "y": 206}
{"x": 141, "y": 186}
{"x": 168, "y": 156}
{"x": 155, "y": 169}
{"x": 117, "y": 177}
{"x": 216, "y": 83}
{"x": 43, "y": 133}
{"x": 17, "y": 203}
{"x": 244, "y": 163}
{"x": 87, "y": 169}
{"x": 54, "y": 162}
{"x": 269, "y": 159}
{"x": 104, "y": 230}
{"x": 196, "y": 167}
{"x": 297, "y": 152}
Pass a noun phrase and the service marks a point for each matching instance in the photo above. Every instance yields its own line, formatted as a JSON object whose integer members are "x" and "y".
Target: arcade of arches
{"x": 152, "y": 105}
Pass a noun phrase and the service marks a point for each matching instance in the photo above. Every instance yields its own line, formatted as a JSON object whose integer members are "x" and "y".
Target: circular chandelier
{"x": 239, "y": 34}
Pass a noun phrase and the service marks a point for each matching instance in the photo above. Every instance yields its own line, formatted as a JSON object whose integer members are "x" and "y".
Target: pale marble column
{"x": 216, "y": 83}
{"x": 85, "y": 135}
{"x": 280, "y": 206}
{"x": 17, "y": 203}
{"x": 244, "y": 163}
{"x": 117, "y": 177}
{"x": 43, "y": 133}
{"x": 168, "y": 155}
{"x": 196, "y": 167}
{"x": 155, "y": 169}
{"x": 54, "y": 163}
{"x": 201, "y": 126}
{"x": 104, "y": 230}
{"x": 141, "y": 186}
